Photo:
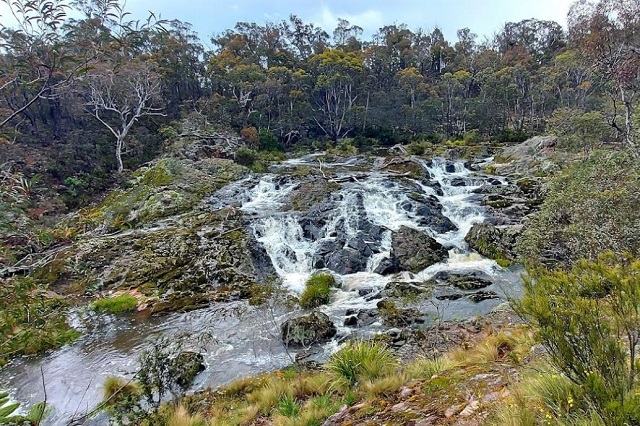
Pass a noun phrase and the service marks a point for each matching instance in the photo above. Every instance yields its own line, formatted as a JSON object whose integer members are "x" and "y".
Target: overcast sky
{"x": 482, "y": 16}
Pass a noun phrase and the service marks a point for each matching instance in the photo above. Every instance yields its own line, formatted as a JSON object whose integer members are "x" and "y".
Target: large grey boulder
{"x": 415, "y": 251}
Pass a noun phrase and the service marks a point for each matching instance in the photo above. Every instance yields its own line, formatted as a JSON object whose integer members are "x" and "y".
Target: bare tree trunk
{"x": 628, "y": 126}
{"x": 119, "y": 144}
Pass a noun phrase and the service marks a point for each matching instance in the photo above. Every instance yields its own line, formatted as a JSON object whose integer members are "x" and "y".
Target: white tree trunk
{"x": 119, "y": 144}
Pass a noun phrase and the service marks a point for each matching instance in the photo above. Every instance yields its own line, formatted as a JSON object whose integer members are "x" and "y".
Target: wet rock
{"x": 394, "y": 316}
{"x": 403, "y": 289}
{"x": 415, "y": 250}
{"x": 361, "y": 317}
{"x": 346, "y": 261}
{"x": 387, "y": 266}
{"x": 187, "y": 365}
{"x": 430, "y": 214}
{"x": 492, "y": 241}
{"x": 458, "y": 182}
{"x": 351, "y": 321}
{"x": 469, "y": 282}
{"x": 482, "y": 296}
{"x": 450, "y": 296}
{"x": 307, "y": 330}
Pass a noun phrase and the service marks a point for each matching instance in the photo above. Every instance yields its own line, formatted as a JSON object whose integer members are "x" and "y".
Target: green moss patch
{"x": 117, "y": 304}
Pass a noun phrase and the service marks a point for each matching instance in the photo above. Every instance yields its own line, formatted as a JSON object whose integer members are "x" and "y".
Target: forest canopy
{"x": 74, "y": 65}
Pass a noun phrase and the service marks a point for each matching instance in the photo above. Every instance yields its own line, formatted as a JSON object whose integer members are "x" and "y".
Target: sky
{"x": 483, "y": 17}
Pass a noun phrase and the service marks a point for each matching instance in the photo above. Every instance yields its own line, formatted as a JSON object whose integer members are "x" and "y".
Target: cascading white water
{"x": 384, "y": 201}
{"x": 456, "y": 204}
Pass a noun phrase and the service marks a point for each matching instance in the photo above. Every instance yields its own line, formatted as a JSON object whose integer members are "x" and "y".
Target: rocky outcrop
{"x": 415, "y": 251}
{"x": 529, "y": 157}
{"x": 200, "y": 257}
{"x": 494, "y": 242}
{"x": 168, "y": 187}
{"x": 307, "y": 330}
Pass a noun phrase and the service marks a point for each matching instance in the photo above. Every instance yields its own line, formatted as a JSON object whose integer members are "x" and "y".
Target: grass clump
{"x": 361, "y": 360}
{"x": 317, "y": 291}
{"x": 116, "y": 389}
{"x": 117, "y": 304}
{"x": 181, "y": 417}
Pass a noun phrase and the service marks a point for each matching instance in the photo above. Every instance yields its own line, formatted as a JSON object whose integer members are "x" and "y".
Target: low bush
{"x": 588, "y": 319}
{"x": 317, "y": 291}
{"x": 591, "y": 207}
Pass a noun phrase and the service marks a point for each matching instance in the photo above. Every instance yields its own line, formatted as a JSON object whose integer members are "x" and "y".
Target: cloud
{"x": 370, "y": 20}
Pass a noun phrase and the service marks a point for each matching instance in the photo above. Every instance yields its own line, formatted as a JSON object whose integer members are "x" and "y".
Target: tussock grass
{"x": 360, "y": 360}
{"x": 116, "y": 389}
{"x": 269, "y": 395}
{"x": 181, "y": 417}
{"x": 425, "y": 368}
{"x": 317, "y": 291}
{"x": 543, "y": 397}
{"x": 384, "y": 386}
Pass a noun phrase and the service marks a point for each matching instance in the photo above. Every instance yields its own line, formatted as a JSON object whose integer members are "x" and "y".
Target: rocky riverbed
{"x": 196, "y": 239}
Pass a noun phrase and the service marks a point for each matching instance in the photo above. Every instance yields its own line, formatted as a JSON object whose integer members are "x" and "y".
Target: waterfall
{"x": 377, "y": 200}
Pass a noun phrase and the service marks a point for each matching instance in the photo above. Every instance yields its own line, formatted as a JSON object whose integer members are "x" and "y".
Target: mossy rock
{"x": 497, "y": 201}
{"x": 529, "y": 186}
{"x": 169, "y": 187}
{"x": 311, "y": 193}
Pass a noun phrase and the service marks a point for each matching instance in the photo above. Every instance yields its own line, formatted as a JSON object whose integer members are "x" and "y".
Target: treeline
{"x": 90, "y": 84}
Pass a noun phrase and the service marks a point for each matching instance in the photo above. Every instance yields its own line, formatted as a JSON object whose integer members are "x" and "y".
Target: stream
{"x": 369, "y": 206}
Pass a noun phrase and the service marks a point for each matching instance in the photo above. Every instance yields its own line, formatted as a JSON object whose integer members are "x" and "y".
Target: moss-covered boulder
{"x": 494, "y": 242}
{"x": 415, "y": 250}
{"x": 197, "y": 258}
{"x": 307, "y": 330}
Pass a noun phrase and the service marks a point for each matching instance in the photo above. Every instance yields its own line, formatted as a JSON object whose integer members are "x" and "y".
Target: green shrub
{"x": 31, "y": 321}
{"x": 591, "y": 207}
{"x": 588, "y": 319}
{"x": 117, "y": 304}
{"x": 317, "y": 291}
{"x": 361, "y": 360}
{"x": 245, "y": 156}
{"x": 268, "y": 141}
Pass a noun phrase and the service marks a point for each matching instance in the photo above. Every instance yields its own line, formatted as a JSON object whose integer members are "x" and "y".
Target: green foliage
{"x": 591, "y": 207}
{"x": 37, "y": 413}
{"x": 512, "y": 136}
{"x": 579, "y": 130}
{"x": 31, "y": 321}
{"x": 116, "y": 304}
{"x": 166, "y": 369}
{"x": 268, "y": 141}
{"x": 361, "y": 360}
{"x": 6, "y": 408}
{"x": 589, "y": 321}
{"x": 288, "y": 406}
{"x": 317, "y": 291}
